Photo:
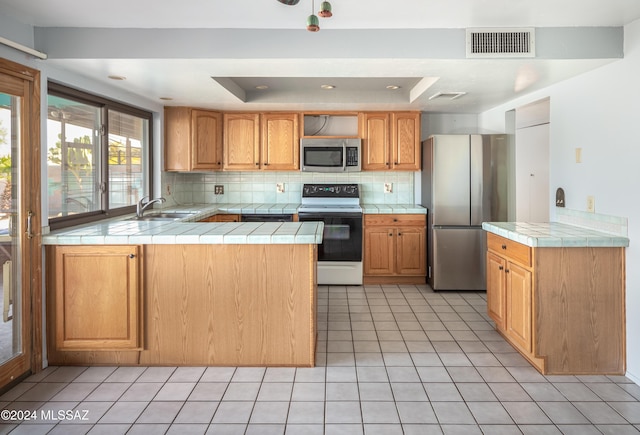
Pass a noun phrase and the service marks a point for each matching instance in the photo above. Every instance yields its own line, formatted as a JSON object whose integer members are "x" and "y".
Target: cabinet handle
{"x": 507, "y": 271}
{"x": 500, "y": 268}
{"x": 399, "y": 234}
{"x": 132, "y": 256}
{"x": 390, "y": 234}
{"x": 266, "y": 164}
{"x": 504, "y": 246}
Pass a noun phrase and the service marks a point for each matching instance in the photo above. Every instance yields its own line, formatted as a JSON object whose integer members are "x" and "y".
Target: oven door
{"x": 342, "y": 235}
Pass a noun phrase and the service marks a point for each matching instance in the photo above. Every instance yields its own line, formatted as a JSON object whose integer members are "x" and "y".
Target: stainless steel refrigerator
{"x": 464, "y": 183}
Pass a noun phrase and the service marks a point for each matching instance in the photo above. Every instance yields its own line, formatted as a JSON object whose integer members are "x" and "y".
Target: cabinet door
{"x": 496, "y": 289}
{"x": 207, "y": 139}
{"x": 375, "y": 141}
{"x": 519, "y": 307}
{"x": 280, "y": 141}
{"x": 241, "y": 135}
{"x": 411, "y": 250}
{"x": 379, "y": 250}
{"x": 405, "y": 140}
{"x": 177, "y": 137}
{"x": 97, "y": 298}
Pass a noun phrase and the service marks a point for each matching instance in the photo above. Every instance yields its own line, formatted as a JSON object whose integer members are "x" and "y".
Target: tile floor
{"x": 392, "y": 360}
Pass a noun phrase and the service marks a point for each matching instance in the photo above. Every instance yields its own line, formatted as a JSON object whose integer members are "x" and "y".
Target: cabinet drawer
{"x": 394, "y": 220}
{"x": 514, "y": 251}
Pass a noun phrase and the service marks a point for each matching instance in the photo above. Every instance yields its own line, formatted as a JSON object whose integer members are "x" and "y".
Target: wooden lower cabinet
{"x": 219, "y": 305}
{"x": 518, "y": 304}
{"x": 561, "y": 308}
{"x": 223, "y": 217}
{"x": 95, "y": 297}
{"x": 394, "y": 249}
{"x": 496, "y": 281}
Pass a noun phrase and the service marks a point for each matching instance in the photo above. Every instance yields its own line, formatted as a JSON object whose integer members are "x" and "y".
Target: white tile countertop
{"x": 123, "y": 230}
{"x": 393, "y": 209}
{"x": 554, "y": 235}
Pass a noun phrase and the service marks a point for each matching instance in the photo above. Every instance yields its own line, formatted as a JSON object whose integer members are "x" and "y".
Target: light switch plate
{"x": 388, "y": 187}
{"x": 591, "y": 204}
{"x": 280, "y": 187}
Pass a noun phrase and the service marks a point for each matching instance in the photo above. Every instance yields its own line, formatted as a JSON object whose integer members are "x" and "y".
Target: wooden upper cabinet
{"x": 374, "y": 130}
{"x": 207, "y": 139}
{"x": 267, "y": 141}
{"x": 280, "y": 140}
{"x": 241, "y": 141}
{"x": 390, "y": 141}
{"x": 405, "y": 140}
{"x": 193, "y": 139}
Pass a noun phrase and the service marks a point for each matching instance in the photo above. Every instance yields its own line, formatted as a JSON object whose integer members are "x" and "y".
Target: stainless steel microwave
{"x": 330, "y": 155}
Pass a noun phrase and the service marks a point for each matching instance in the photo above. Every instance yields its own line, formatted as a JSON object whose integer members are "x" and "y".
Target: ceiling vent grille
{"x": 447, "y": 95}
{"x": 501, "y": 43}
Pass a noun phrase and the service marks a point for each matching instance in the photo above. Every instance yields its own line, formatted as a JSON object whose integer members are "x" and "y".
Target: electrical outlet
{"x": 388, "y": 187}
{"x": 168, "y": 189}
{"x": 591, "y": 204}
{"x": 280, "y": 187}
{"x": 218, "y": 189}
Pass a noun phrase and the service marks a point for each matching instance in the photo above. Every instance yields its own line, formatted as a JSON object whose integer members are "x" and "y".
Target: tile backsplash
{"x": 260, "y": 187}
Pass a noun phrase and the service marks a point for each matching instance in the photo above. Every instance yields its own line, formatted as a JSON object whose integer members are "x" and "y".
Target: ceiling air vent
{"x": 501, "y": 43}
{"x": 447, "y": 95}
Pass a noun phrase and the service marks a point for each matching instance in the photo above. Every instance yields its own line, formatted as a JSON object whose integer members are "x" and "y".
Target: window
{"x": 98, "y": 159}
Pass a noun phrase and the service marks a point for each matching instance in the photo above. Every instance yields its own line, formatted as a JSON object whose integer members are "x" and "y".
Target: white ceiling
{"x": 294, "y": 81}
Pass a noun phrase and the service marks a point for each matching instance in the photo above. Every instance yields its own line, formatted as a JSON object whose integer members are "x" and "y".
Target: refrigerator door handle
{"x": 477, "y": 179}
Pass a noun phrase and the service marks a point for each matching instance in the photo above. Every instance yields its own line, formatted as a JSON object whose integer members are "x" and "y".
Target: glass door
{"x": 20, "y": 268}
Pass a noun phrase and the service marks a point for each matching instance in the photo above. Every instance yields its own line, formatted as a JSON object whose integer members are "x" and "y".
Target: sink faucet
{"x": 142, "y": 205}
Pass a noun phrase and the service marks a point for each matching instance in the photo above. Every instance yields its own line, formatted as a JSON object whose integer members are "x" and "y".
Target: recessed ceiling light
{"x": 262, "y": 87}
{"x": 114, "y": 77}
{"x": 393, "y": 87}
{"x": 166, "y": 98}
{"x": 327, "y": 87}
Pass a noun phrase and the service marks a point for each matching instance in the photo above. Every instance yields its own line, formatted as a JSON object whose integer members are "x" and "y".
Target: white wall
{"x": 599, "y": 112}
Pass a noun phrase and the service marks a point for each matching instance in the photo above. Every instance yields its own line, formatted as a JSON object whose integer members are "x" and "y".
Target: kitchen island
{"x": 133, "y": 292}
{"x": 557, "y": 293}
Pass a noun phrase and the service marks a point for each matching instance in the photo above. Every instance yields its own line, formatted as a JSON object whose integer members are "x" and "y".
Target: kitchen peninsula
{"x": 557, "y": 293}
{"x": 184, "y": 292}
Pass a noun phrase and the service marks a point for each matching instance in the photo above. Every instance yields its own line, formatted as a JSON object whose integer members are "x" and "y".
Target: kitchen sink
{"x": 161, "y": 217}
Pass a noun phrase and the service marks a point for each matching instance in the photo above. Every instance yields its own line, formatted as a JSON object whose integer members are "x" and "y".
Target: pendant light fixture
{"x": 313, "y": 24}
{"x": 325, "y": 10}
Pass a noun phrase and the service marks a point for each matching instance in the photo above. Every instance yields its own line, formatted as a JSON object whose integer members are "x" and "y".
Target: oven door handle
{"x": 312, "y": 216}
